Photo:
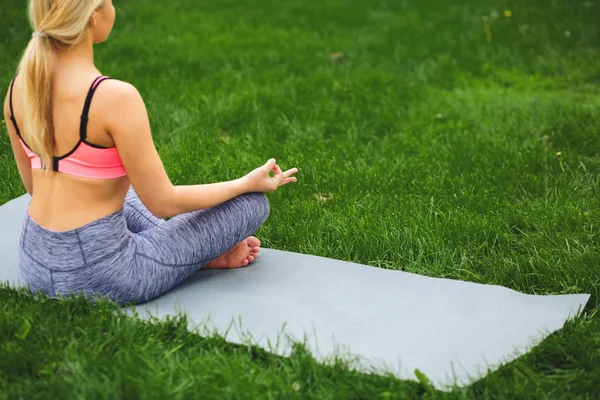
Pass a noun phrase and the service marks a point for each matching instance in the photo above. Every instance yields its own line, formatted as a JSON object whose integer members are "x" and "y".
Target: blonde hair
{"x": 63, "y": 23}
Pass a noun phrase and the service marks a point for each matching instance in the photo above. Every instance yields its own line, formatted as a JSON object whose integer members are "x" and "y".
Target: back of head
{"x": 58, "y": 25}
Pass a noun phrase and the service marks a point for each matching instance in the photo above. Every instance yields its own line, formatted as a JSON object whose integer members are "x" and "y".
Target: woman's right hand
{"x": 259, "y": 179}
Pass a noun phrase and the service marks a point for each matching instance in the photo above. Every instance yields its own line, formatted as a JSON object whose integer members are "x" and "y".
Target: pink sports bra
{"x": 85, "y": 159}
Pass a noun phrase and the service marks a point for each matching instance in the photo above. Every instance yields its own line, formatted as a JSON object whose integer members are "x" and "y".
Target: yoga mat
{"x": 389, "y": 321}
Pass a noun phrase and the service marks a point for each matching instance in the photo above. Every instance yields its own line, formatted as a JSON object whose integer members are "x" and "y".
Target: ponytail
{"x": 59, "y": 24}
{"x": 36, "y": 96}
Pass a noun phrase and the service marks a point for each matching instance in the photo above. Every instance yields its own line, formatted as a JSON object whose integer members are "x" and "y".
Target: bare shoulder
{"x": 7, "y": 104}
{"x": 7, "y": 113}
{"x": 7, "y": 99}
{"x": 121, "y": 106}
{"x": 114, "y": 93}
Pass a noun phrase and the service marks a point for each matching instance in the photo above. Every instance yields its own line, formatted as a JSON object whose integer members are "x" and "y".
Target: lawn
{"x": 454, "y": 138}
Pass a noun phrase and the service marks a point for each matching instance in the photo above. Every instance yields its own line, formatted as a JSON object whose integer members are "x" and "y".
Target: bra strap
{"x": 86, "y": 106}
{"x": 12, "y": 111}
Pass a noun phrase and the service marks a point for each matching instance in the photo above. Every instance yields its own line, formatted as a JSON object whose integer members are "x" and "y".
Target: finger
{"x": 290, "y": 172}
{"x": 277, "y": 169}
{"x": 270, "y": 164}
{"x": 287, "y": 180}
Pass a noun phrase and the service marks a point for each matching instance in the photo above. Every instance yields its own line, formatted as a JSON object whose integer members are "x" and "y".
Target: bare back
{"x": 61, "y": 201}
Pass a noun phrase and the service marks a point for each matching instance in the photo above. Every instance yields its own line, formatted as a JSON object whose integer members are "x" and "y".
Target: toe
{"x": 250, "y": 258}
{"x": 245, "y": 262}
{"x": 253, "y": 241}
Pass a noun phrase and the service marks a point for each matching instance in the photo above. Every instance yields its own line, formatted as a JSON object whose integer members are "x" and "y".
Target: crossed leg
{"x": 139, "y": 219}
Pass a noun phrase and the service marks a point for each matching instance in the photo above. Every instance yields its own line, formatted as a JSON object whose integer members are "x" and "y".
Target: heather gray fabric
{"x": 131, "y": 256}
{"x": 390, "y": 320}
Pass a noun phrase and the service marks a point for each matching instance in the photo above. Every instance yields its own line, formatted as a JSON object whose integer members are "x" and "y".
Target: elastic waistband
{"x": 110, "y": 218}
{"x": 77, "y": 247}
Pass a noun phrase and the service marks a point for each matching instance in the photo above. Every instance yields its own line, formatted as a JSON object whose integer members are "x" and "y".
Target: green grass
{"x": 435, "y": 143}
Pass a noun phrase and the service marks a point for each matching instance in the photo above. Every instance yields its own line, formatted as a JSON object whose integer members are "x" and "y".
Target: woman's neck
{"x": 78, "y": 57}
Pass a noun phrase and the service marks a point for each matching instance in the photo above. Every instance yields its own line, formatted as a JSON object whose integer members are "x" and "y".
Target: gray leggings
{"x": 131, "y": 256}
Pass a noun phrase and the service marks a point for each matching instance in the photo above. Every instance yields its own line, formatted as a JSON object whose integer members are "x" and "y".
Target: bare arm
{"x": 23, "y": 163}
{"x": 129, "y": 127}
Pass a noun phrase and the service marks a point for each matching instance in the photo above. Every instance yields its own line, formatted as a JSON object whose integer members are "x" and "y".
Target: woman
{"x": 85, "y": 153}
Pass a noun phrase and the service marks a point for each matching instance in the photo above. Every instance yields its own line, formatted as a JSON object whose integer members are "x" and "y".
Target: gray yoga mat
{"x": 388, "y": 321}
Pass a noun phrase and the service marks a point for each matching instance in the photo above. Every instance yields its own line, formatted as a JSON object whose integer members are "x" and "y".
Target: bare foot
{"x": 238, "y": 256}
